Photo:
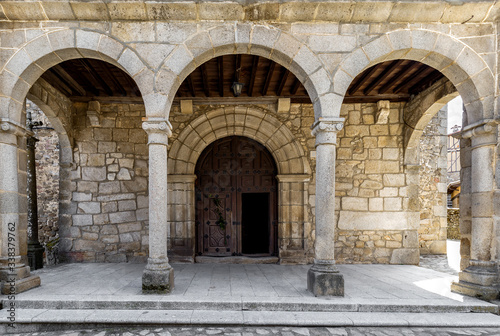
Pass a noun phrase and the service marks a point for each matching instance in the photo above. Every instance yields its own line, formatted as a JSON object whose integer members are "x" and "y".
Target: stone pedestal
{"x": 323, "y": 278}
{"x": 480, "y": 280}
{"x": 158, "y": 277}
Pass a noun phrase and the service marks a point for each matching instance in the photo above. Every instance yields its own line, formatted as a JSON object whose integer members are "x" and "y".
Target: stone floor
{"x": 243, "y": 300}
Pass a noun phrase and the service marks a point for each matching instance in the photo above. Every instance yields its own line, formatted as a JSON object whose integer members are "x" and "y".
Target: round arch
{"x": 38, "y": 55}
{"x": 247, "y": 38}
{"x": 468, "y": 72}
{"x": 237, "y": 121}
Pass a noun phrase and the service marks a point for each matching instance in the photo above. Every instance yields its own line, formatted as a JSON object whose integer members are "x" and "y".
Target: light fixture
{"x": 237, "y": 87}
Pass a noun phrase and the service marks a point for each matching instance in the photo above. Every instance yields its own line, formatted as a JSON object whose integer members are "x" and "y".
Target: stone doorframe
{"x": 294, "y": 173}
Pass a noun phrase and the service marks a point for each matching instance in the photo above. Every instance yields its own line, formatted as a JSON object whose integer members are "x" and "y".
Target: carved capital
{"x": 8, "y": 126}
{"x": 325, "y": 130}
{"x": 482, "y": 133}
{"x": 158, "y": 130}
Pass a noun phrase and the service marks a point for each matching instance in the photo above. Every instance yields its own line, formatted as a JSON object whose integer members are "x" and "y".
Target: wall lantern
{"x": 237, "y": 87}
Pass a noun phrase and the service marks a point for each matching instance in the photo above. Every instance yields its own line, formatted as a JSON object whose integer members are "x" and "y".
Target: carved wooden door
{"x": 236, "y": 199}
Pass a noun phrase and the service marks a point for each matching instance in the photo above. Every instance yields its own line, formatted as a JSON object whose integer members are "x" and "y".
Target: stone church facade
{"x": 165, "y": 176}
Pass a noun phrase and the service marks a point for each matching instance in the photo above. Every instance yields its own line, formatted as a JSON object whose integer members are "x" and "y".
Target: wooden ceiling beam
{"x": 204, "y": 79}
{"x": 284, "y": 77}
{"x": 220, "y": 68}
{"x": 66, "y": 77}
{"x": 367, "y": 74}
{"x": 190, "y": 85}
{"x": 270, "y": 72}
{"x": 96, "y": 78}
{"x": 390, "y": 83}
{"x": 295, "y": 86}
{"x": 237, "y": 68}
{"x": 382, "y": 76}
{"x": 423, "y": 69}
{"x": 115, "y": 81}
{"x": 52, "y": 78}
{"x": 433, "y": 76}
{"x": 253, "y": 75}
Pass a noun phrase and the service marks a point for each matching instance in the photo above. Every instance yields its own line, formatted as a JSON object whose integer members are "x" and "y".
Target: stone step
{"x": 306, "y": 304}
{"x": 30, "y": 320}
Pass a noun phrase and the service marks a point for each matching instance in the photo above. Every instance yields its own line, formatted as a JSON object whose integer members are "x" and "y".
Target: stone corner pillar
{"x": 323, "y": 278}
{"x": 158, "y": 276}
{"x": 481, "y": 279}
{"x": 15, "y": 276}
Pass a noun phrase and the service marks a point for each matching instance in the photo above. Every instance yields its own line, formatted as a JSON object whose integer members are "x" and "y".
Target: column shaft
{"x": 480, "y": 278}
{"x": 158, "y": 277}
{"x": 14, "y": 275}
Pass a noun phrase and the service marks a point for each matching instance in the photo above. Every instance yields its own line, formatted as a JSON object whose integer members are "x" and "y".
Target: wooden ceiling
{"x": 88, "y": 79}
{"x": 261, "y": 78}
{"x": 394, "y": 80}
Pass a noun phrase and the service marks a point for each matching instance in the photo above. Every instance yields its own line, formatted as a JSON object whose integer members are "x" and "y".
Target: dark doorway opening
{"x": 255, "y": 223}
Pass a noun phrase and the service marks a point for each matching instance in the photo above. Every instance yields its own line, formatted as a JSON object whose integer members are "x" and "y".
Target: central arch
{"x": 293, "y": 174}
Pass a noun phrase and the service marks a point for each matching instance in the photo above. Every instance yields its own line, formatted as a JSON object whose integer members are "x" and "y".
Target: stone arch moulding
{"x": 468, "y": 72}
{"x": 248, "y": 38}
{"x": 293, "y": 174}
{"x": 419, "y": 112}
{"x": 243, "y": 121}
{"x": 52, "y": 111}
{"x": 38, "y": 55}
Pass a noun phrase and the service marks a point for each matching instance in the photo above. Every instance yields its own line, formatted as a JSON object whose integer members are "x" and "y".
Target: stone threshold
{"x": 30, "y": 320}
{"x": 236, "y": 260}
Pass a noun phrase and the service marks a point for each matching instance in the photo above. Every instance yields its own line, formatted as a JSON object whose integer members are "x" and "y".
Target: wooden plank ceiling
{"x": 88, "y": 79}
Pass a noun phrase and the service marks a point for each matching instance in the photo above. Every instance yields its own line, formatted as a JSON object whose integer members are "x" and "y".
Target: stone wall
{"x": 376, "y": 213}
{"x": 47, "y": 175}
{"x": 433, "y": 183}
{"x": 453, "y": 229}
{"x": 109, "y": 209}
{"x": 375, "y": 220}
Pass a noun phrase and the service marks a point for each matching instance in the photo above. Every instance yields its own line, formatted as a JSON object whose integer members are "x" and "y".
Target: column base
{"x": 17, "y": 286}
{"x": 157, "y": 278}
{"x": 479, "y": 280}
{"x": 325, "y": 281}
{"x": 35, "y": 256}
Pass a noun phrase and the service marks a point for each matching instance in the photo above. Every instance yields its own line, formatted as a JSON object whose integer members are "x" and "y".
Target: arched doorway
{"x": 236, "y": 199}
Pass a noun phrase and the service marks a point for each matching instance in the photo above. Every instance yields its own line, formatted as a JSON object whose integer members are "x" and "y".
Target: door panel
{"x": 227, "y": 170}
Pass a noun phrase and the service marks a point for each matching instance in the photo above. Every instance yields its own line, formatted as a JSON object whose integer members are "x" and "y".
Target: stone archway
{"x": 293, "y": 175}
{"x": 249, "y": 38}
{"x": 36, "y": 56}
{"x": 466, "y": 70}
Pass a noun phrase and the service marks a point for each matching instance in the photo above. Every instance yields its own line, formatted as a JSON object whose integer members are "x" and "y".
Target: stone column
{"x": 158, "y": 277}
{"x": 35, "y": 249}
{"x": 14, "y": 274}
{"x": 323, "y": 277}
{"x": 480, "y": 278}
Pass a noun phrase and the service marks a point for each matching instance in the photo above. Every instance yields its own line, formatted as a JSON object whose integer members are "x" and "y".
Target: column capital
{"x": 158, "y": 130}
{"x": 9, "y": 126}
{"x": 481, "y": 133}
{"x": 479, "y": 128}
{"x": 325, "y": 130}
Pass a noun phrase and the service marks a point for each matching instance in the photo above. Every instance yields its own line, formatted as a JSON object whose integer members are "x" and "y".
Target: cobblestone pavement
{"x": 276, "y": 331}
{"x": 437, "y": 263}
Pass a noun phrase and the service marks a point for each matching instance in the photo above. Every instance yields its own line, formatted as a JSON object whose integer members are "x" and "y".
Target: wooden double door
{"x": 236, "y": 199}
